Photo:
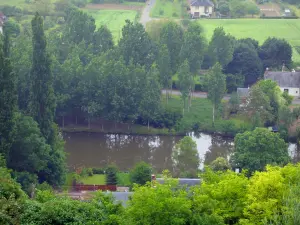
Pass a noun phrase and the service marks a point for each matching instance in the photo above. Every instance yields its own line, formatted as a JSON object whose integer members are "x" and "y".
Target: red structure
{"x": 84, "y": 187}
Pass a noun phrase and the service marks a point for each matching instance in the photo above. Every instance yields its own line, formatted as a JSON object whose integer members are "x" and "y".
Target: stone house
{"x": 201, "y": 8}
{"x": 286, "y": 80}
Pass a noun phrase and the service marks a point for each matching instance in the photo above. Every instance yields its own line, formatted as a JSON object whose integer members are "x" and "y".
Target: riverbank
{"x": 198, "y": 118}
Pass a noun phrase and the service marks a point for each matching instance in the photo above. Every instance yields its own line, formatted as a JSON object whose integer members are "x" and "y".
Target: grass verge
{"x": 98, "y": 179}
{"x": 169, "y": 9}
{"x": 123, "y": 179}
{"x": 113, "y": 19}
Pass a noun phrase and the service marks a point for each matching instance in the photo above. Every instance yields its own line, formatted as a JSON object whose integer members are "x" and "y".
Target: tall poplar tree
{"x": 42, "y": 99}
{"x": 8, "y": 100}
{"x": 216, "y": 84}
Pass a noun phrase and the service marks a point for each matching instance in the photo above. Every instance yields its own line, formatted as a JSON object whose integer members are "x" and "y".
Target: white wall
{"x": 201, "y": 10}
{"x": 292, "y": 91}
{"x": 1, "y": 30}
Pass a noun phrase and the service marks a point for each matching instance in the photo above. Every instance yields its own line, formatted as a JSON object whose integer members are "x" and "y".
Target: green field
{"x": 259, "y": 29}
{"x": 98, "y": 179}
{"x": 167, "y": 9}
{"x": 113, "y": 19}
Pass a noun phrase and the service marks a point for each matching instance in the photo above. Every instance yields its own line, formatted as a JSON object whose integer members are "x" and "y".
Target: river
{"x": 99, "y": 149}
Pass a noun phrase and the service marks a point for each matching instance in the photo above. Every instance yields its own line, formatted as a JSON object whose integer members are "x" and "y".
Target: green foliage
{"x": 274, "y": 52}
{"x": 8, "y": 99}
{"x": 136, "y": 45}
{"x": 102, "y": 40}
{"x": 101, "y": 210}
{"x": 162, "y": 205}
{"x": 216, "y": 83}
{"x": 141, "y": 173}
{"x": 185, "y": 158}
{"x": 172, "y": 36}
{"x": 42, "y": 99}
{"x": 234, "y": 103}
{"x": 220, "y": 164}
{"x": 220, "y": 48}
{"x": 164, "y": 66}
{"x": 255, "y": 149}
{"x": 245, "y": 62}
{"x": 186, "y": 82}
{"x": 111, "y": 175}
{"x": 193, "y": 47}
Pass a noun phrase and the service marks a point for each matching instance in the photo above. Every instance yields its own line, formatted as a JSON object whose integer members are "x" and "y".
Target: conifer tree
{"x": 8, "y": 99}
{"x": 42, "y": 99}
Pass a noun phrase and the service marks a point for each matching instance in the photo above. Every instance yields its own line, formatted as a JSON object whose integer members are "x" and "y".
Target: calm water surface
{"x": 98, "y": 149}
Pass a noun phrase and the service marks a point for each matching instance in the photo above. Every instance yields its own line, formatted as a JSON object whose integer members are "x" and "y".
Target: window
{"x": 197, "y": 7}
{"x": 206, "y": 9}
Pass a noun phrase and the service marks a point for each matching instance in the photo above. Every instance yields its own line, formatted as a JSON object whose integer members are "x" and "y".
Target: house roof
{"x": 284, "y": 79}
{"x": 201, "y": 3}
{"x": 182, "y": 181}
{"x": 242, "y": 92}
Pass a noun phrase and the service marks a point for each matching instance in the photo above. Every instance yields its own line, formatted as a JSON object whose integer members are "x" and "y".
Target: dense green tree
{"x": 259, "y": 104}
{"x": 185, "y": 158}
{"x": 245, "y": 61}
{"x": 221, "y": 194}
{"x": 8, "y": 101}
{"x": 11, "y": 197}
{"x": 42, "y": 99}
{"x": 216, "y": 85}
{"x": 162, "y": 205}
{"x": 136, "y": 45}
{"x": 223, "y": 8}
{"x": 186, "y": 83}
{"x": 151, "y": 103}
{"x": 102, "y": 40}
{"x": 164, "y": 66}
{"x": 220, "y": 48}
{"x": 29, "y": 151}
{"x": 141, "y": 173}
{"x": 79, "y": 27}
{"x": 255, "y": 149}
{"x": 111, "y": 175}
{"x": 272, "y": 91}
{"x": 275, "y": 52}
{"x": 172, "y": 36}
{"x": 220, "y": 164}
{"x": 193, "y": 47}
{"x": 251, "y": 42}
{"x": 252, "y": 8}
{"x": 237, "y": 8}
{"x": 234, "y": 102}
{"x": 54, "y": 210}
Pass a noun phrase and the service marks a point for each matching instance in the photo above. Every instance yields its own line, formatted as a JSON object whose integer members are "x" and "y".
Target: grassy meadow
{"x": 259, "y": 29}
{"x": 98, "y": 179}
{"x": 168, "y": 9}
{"x": 113, "y": 19}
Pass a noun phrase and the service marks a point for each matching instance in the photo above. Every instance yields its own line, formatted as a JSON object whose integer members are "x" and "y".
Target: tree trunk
{"x": 89, "y": 123}
{"x": 148, "y": 124}
{"x": 63, "y": 121}
{"x": 167, "y": 96}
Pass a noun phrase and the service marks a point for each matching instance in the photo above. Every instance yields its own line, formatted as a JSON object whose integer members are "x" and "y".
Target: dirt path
{"x": 145, "y": 16}
{"x": 113, "y": 6}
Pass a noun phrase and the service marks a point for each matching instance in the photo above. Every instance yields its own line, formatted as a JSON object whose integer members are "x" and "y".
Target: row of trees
{"x": 30, "y": 141}
{"x": 95, "y": 78}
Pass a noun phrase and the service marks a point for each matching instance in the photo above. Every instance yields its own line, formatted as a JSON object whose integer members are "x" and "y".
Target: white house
{"x": 287, "y": 81}
{"x": 201, "y": 8}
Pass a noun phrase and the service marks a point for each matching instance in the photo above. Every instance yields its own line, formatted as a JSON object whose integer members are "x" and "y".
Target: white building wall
{"x": 1, "y": 30}
{"x": 292, "y": 91}
{"x": 201, "y": 10}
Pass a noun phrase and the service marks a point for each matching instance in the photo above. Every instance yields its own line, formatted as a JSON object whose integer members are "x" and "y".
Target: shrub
{"x": 98, "y": 171}
{"x": 161, "y": 12}
{"x": 174, "y": 14}
{"x": 111, "y": 175}
{"x": 220, "y": 164}
{"x": 141, "y": 173}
